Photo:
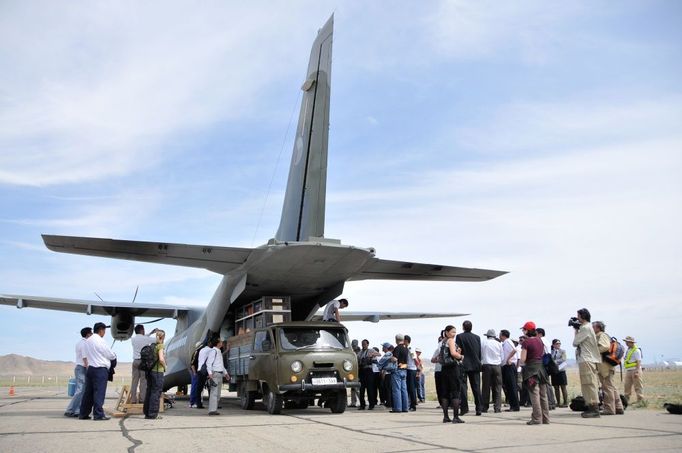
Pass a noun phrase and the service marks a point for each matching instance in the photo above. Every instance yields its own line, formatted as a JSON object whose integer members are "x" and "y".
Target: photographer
{"x": 587, "y": 355}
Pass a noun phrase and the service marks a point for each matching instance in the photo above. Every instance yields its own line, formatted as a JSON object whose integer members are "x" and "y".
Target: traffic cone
{"x": 11, "y": 390}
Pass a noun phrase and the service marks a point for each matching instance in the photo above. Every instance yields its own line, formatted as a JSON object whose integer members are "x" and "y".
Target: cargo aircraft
{"x": 299, "y": 262}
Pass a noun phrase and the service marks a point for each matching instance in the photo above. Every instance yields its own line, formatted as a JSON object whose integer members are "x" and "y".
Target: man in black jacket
{"x": 470, "y": 343}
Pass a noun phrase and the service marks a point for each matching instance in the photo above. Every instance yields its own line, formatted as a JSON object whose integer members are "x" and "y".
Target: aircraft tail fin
{"x": 304, "y": 202}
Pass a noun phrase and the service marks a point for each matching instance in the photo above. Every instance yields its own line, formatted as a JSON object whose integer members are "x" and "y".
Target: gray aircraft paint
{"x": 304, "y": 202}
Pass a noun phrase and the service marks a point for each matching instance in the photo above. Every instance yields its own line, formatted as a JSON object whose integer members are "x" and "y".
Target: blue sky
{"x": 534, "y": 137}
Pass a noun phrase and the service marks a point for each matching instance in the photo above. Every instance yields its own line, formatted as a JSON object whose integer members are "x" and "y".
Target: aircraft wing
{"x": 91, "y": 307}
{"x": 376, "y": 316}
{"x": 216, "y": 259}
{"x": 378, "y": 269}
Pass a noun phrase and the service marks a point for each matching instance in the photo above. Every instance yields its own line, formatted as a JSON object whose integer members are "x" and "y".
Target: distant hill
{"x": 14, "y": 364}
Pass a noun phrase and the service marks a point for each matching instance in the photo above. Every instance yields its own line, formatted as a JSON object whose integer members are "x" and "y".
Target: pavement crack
{"x": 124, "y": 431}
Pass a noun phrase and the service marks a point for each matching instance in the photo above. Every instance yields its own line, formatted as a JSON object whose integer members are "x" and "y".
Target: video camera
{"x": 574, "y": 322}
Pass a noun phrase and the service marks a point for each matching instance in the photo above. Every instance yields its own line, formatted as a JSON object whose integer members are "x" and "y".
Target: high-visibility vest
{"x": 628, "y": 355}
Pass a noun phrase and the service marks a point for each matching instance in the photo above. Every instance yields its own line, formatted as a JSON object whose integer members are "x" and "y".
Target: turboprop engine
{"x": 122, "y": 325}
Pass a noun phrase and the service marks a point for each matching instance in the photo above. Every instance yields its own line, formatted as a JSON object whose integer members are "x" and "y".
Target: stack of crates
{"x": 262, "y": 312}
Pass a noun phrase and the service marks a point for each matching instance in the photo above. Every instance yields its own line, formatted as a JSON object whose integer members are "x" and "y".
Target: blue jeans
{"x": 95, "y": 390}
{"x": 421, "y": 390}
{"x": 399, "y": 390}
{"x": 74, "y": 406}
{"x": 194, "y": 391}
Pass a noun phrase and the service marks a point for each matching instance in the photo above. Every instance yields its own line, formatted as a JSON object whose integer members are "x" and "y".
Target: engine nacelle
{"x": 122, "y": 325}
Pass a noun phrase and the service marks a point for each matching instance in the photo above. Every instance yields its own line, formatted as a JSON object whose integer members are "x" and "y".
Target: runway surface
{"x": 33, "y": 421}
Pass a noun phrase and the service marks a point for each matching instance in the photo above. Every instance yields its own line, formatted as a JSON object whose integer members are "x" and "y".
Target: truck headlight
{"x": 296, "y": 366}
{"x": 347, "y": 365}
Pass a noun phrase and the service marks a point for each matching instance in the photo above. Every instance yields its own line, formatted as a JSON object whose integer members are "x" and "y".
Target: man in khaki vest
{"x": 587, "y": 356}
{"x": 612, "y": 403}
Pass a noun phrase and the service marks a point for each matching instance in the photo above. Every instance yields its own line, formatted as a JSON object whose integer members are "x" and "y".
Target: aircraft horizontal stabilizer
{"x": 217, "y": 259}
{"x": 91, "y": 307}
{"x": 378, "y": 269}
{"x": 376, "y": 316}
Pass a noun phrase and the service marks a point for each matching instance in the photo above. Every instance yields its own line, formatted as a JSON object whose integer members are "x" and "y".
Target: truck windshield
{"x": 292, "y": 338}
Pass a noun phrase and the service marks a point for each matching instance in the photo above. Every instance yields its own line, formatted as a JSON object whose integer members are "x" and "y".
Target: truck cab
{"x": 290, "y": 364}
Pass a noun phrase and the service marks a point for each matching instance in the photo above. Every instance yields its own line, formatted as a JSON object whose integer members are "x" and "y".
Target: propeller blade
{"x": 99, "y": 297}
{"x": 154, "y": 320}
{"x": 135, "y": 295}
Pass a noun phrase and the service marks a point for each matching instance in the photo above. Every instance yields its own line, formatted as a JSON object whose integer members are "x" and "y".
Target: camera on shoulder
{"x": 574, "y": 322}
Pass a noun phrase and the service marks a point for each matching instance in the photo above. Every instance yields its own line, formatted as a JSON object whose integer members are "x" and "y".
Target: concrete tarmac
{"x": 33, "y": 421}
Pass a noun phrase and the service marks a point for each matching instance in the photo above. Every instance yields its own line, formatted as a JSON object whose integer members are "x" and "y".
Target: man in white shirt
{"x": 491, "y": 368}
{"x": 331, "y": 310}
{"x": 73, "y": 410}
{"x": 509, "y": 371}
{"x": 99, "y": 357}
{"x": 139, "y": 341}
{"x": 216, "y": 372}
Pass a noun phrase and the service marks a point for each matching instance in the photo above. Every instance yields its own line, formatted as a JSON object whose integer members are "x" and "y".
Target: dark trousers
{"x": 474, "y": 378}
{"x": 94, "y": 393}
{"x": 367, "y": 385}
{"x": 412, "y": 388}
{"x": 439, "y": 390}
{"x": 153, "y": 396}
{"x": 386, "y": 384}
{"x": 524, "y": 399}
{"x": 201, "y": 383}
{"x": 492, "y": 381}
{"x": 378, "y": 388}
{"x": 509, "y": 384}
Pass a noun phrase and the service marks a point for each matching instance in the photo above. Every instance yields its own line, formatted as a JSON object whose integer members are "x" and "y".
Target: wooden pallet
{"x": 124, "y": 407}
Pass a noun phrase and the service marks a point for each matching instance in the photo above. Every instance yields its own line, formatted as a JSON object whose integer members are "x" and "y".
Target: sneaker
{"x": 533, "y": 422}
{"x": 68, "y": 414}
{"x": 214, "y": 413}
{"x": 620, "y": 411}
{"x": 102, "y": 418}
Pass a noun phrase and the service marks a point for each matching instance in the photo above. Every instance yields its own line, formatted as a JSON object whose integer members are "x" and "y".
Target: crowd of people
{"x": 530, "y": 372}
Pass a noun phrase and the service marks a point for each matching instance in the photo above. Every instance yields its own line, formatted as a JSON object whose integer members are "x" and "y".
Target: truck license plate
{"x": 324, "y": 380}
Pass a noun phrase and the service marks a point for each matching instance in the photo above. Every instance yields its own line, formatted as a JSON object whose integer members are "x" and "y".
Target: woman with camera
{"x": 559, "y": 380}
{"x": 450, "y": 357}
{"x": 534, "y": 374}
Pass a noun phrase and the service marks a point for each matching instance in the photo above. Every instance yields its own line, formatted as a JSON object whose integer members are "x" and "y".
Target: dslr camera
{"x": 574, "y": 322}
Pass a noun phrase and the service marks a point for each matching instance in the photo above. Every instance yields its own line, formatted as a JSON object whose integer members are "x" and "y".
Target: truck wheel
{"x": 273, "y": 402}
{"x": 338, "y": 405}
{"x": 246, "y": 398}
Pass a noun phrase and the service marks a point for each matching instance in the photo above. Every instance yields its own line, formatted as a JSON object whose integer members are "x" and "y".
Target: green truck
{"x": 290, "y": 364}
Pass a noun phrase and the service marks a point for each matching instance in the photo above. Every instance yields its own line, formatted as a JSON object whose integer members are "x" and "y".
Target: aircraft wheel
{"x": 273, "y": 402}
{"x": 246, "y": 398}
{"x": 338, "y": 404}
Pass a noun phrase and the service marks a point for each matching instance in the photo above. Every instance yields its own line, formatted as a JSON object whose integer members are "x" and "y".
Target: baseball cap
{"x": 529, "y": 325}
{"x": 386, "y": 345}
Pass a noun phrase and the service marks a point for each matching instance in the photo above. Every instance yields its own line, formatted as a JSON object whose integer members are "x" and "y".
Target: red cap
{"x": 530, "y": 325}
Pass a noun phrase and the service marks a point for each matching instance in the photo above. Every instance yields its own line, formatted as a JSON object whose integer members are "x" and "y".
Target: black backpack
{"x": 148, "y": 357}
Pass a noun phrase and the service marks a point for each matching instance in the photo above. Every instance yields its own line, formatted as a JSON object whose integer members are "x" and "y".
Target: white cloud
{"x": 112, "y": 95}
{"x": 546, "y": 126}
